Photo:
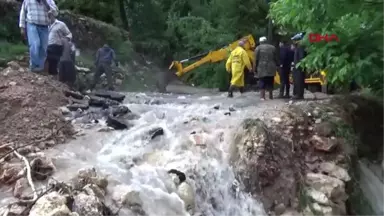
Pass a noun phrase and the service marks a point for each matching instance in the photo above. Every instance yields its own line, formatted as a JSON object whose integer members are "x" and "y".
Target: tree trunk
{"x": 123, "y": 15}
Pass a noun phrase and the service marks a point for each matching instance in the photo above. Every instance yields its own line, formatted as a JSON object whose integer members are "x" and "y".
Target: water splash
{"x": 131, "y": 158}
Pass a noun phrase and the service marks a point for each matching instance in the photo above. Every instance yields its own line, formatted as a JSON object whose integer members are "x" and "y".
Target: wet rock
{"x": 111, "y": 95}
{"x": 101, "y": 102}
{"x": 11, "y": 172}
{"x": 291, "y": 212}
{"x": 187, "y": 194}
{"x": 128, "y": 197}
{"x": 14, "y": 65}
{"x": 94, "y": 190}
{"x": 324, "y": 144}
{"x": 52, "y": 204}
{"x": 325, "y": 129}
{"x": 317, "y": 196}
{"x": 317, "y": 209}
{"x": 87, "y": 205}
{"x": 216, "y": 107}
{"x": 82, "y": 69}
{"x": 227, "y": 113}
{"x": 64, "y": 110}
{"x": 231, "y": 109}
{"x": 120, "y": 110}
{"x": 335, "y": 171}
{"x": 97, "y": 101}
{"x": 21, "y": 188}
{"x": 76, "y": 106}
{"x": 15, "y": 210}
{"x": 118, "y": 123}
{"x": 42, "y": 167}
{"x": 279, "y": 209}
{"x": 153, "y": 133}
{"x": 332, "y": 187}
{"x": 181, "y": 177}
{"x": 183, "y": 189}
{"x": 105, "y": 129}
{"x": 89, "y": 176}
{"x": 251, "y": 140}
{"x": 76, "y": 95}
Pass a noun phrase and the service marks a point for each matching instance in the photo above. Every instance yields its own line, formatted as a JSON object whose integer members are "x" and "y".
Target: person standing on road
{"x": 235, "y": 65}
{"x": 67, "y": 71}
{"x": 286, "y": 59}
{"x": 33, "y": 23}
{"x": 265, "y": 66}
{"x": 298, "y": 72}
{"x": 58, "y": 31}
{"x": 104, "y": 58}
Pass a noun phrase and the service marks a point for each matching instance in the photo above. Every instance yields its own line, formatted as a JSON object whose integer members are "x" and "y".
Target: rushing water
{"x": 130, "y": 157}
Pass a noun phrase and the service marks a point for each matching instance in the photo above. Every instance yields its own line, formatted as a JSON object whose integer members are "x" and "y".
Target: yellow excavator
{"x": 222, "y": 54}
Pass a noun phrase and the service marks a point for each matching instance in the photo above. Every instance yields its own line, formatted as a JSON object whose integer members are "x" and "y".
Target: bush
{"x": 9, "y": 51}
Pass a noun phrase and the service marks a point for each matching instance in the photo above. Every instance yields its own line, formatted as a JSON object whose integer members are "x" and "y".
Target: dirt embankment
{"x": 29, "y": 111}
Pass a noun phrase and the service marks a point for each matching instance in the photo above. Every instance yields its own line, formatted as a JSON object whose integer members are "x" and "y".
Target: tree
{"x": 359, "y": 25}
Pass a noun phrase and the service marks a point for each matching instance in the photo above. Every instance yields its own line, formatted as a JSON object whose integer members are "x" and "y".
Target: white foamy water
{"x": 129, "y": 157}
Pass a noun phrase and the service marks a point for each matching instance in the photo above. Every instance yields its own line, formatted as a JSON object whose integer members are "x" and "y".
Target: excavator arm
{"x": 212, "y": 56}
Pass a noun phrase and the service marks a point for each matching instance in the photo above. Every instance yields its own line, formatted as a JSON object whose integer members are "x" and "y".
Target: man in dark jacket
{"x": 286, "y": 59}
{"x": 67, "y": 70}
{"x": 298, "y": 72}
{"x": 265, "y": 66}
{"x": 104, "y": 58}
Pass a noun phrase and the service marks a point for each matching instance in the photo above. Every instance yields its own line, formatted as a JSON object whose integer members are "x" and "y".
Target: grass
{"x": 9, "y": 51}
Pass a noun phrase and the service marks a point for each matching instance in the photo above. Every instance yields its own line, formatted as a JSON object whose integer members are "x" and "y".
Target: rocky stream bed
{"x": 168, "y": 154}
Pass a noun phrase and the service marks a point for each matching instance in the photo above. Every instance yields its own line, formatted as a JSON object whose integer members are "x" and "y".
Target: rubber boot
{"x": 280, "y": 95}
{"x": 270, "y": 94}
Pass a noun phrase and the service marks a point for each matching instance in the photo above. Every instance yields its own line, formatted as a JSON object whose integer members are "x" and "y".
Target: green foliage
{"x": 9, "y": 51}
{"x": 174, "y": 30}
{"x": 9, "y": 28}
{"x": 358, "y": 24}
{"x": 102, "y": 10}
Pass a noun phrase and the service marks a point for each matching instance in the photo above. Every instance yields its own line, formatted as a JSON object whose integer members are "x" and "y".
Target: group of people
{"x": 265, "y": 64}
{"x": 50, "y": 40}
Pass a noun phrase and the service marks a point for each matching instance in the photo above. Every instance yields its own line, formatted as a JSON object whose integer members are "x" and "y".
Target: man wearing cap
{"x": 265, "y": 66}
{"x": 58, "y": 31}
{"x": 33, "y": 25}
{"x": 298, "y": 72}
{"x": 235, "y": 65}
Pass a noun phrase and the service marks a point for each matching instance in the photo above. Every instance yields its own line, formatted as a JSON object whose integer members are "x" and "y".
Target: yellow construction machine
{"x": 222, "y": 54}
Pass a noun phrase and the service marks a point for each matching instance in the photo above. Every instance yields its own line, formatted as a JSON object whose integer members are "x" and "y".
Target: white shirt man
{"x": 58, "y": 30}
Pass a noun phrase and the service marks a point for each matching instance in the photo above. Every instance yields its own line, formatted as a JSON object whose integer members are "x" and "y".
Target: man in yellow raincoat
{"x": 235, "y": 65}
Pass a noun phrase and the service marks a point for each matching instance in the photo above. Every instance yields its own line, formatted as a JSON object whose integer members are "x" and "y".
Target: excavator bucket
{"x": 167, "y": 76}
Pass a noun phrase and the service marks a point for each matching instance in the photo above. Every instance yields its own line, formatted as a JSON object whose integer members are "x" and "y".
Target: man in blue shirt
{"x": 104, "y": 58}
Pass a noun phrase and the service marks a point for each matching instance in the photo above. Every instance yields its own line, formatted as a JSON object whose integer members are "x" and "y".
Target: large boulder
{"x": 250, "y": 141}
{"x": 52, "y": 204}
{"x": 87, "y": 205}
{"x": 88, "y": 176}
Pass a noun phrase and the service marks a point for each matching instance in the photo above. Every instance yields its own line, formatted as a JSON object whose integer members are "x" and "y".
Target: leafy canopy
{"x": 359, "y": 26}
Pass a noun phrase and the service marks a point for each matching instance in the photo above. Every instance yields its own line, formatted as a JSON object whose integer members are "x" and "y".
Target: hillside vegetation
{"x": 167, "y": 30}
